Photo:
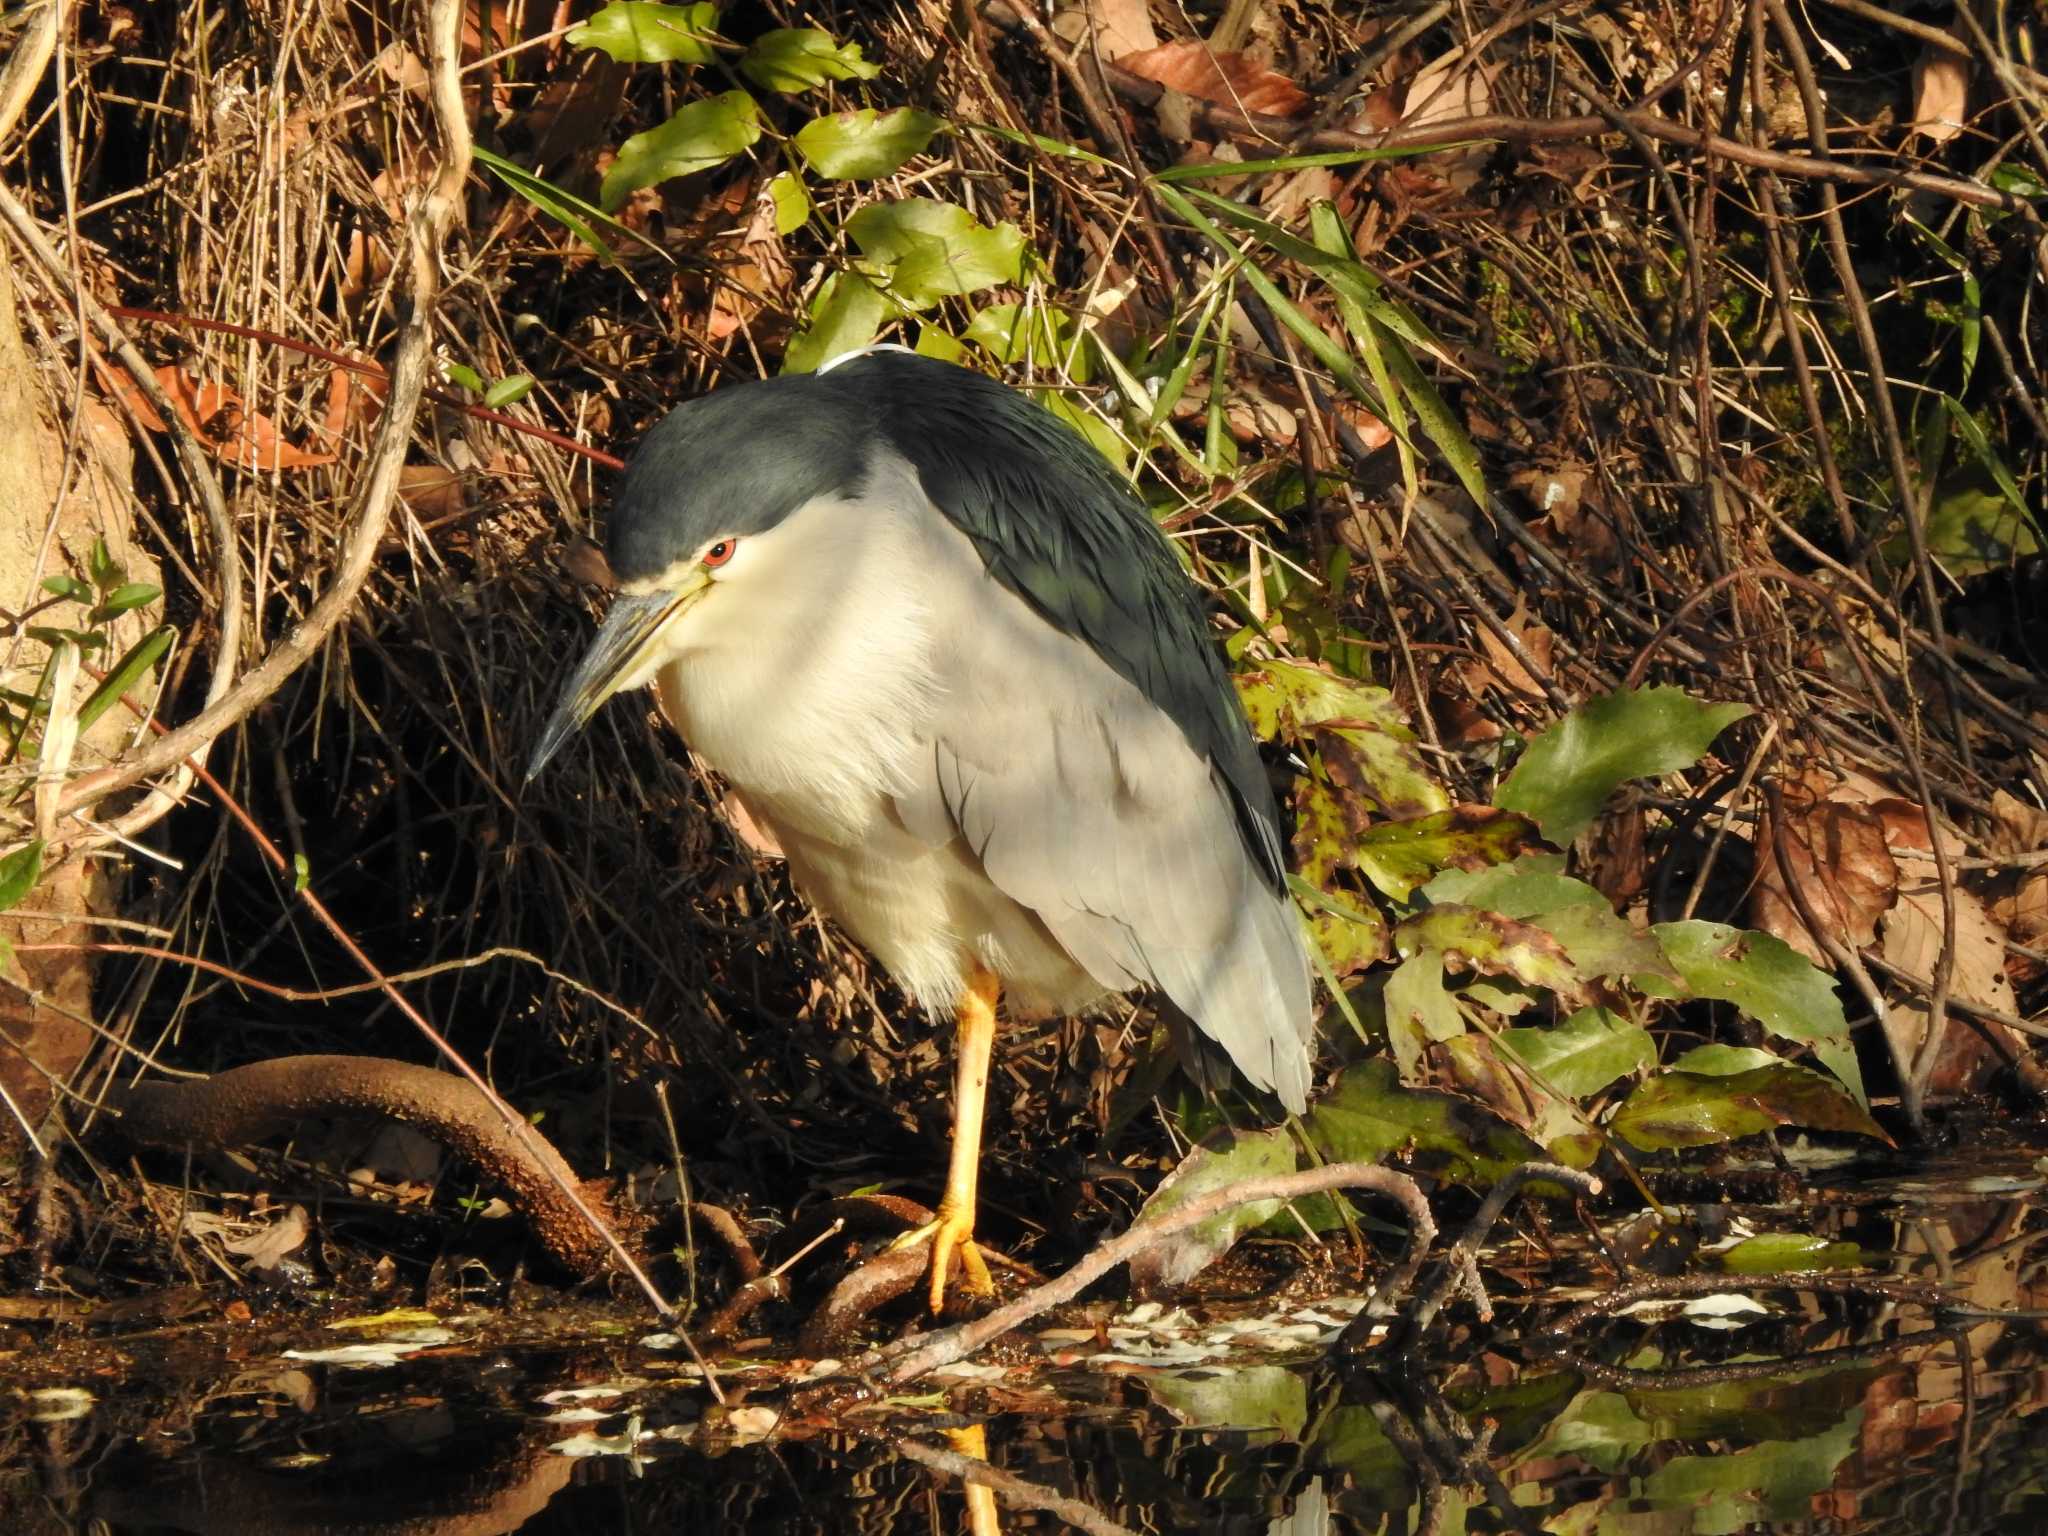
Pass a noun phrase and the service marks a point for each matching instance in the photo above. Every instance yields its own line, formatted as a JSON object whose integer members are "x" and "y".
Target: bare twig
{"x": 925, "y": 1352}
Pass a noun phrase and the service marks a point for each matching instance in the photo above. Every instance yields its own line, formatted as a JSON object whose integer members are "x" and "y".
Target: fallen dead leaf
{"x": 1843, "y": 869}
{"x": 1447, "y": 87}
{"x": 1941, "y": 94}
{"x": 1501, "y": 668}
{"x": 1122, "y": 27}
{"x": 2021, "y": 828}
{"x": 1912, "y": 942}
{"x": 217, "y": 416}
{"x": 1227, "y": 79}
{"x": 2024, "y": 911}
{"x": 1912, "y": 935}
{"x": 431, "y": 490}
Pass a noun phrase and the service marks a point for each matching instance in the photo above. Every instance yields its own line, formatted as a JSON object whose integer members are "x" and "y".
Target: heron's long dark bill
{"x": 620, "y": 650}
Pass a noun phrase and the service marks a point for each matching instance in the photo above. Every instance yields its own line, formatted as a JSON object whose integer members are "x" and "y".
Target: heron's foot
{"x": 952, "y": 1232}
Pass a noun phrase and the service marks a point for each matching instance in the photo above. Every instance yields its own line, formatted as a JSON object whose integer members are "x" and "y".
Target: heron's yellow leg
{"x": 983, "y": 1516}
{"x": 976, "y": 1015}
{"x": 954, "y": 1229}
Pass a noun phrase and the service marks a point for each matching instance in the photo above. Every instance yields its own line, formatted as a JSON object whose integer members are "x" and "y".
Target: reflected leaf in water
{"x": 1777, "y": 1253}
{"x": 1255, "y": 1397}
{"x": 1772, "y": 1481}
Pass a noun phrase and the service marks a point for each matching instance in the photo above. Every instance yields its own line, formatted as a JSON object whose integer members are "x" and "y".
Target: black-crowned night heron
{"x": 946, "y": 658}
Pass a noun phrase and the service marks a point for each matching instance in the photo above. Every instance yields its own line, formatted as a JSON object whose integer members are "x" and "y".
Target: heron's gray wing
{"x": 1055, "y": 525}
{"x": 1084, "y": 802}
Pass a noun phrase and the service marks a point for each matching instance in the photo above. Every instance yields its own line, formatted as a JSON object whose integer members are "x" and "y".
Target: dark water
{"x": 1834, "y": 1407}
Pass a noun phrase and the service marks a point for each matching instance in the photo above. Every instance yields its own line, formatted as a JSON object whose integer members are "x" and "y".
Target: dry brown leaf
{"x": 2024, "y": 911}
{"x": 1502, "y": 668}
{"x": 2021, "y": 828}
{"x": 224, "y": 425}
{"x": 431, "y": 490}
{"x": 1122, "y": 27}
{"x": 1448, "y": 86}
{"x": 1912, "y": 933}
{"x": 1941, "y": 94}
{"x": 1227, "y": 79}
{"x": 1843, "y": 866}
{"x": 1372, "y": 432}
{"x": 1912, "y": 942}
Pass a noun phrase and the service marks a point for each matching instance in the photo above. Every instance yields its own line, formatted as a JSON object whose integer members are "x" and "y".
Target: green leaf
{"x": 1256, "y": 1397}
{"x": 125, "y": 674}
{"x": 1419, "y": 1009}
{"x": 1585, "y": 1053}
{"x": 1035, "y": 334}
{"x": 1351, "y": 935}
{"x": 1099, "y": 434}
{"x": 1724, "y": 1060}
{"x": 509, "y": 390}
{"x": 1231, "y": 1159}
{"x": 930, "y": 250}
{"x": 1533, "y": 885}
{"x": 1380, "y": 766}
{"x": 1970, "y": 318}
{"x": 1768, "y": 980}
{"x": 847, "y": 313}
{"x": 640, "y": 32}
{"x": 793, "y": 59}
{"x": 1759, "y": 1486}
{"x": 50, "y": 635}
{"x": 1690, "y": 1109}
{"x": 1777, "y": 1253}
{"x": 936, "y": 341}
{"x": 1972, "y": 527}
{"x": 1367, "y": 1114}
{"x": 1470, "y": 938}
{"x": 792, "y": 201}
{"x": 1567, "y": 773}
{"x": 1386, "y": 336}
{"x": 101, "y": 566}
{"x": 1398, "y": 856}
{"x": 859, "y": 146}
{"x": 464, "y": 377}
{"x": 1361, "y": 742}
{"x": 19, "y": 872}
{"x": 1350, "y": 280}
{"x": 582, "y": 219}
{"x": 2019, "y": 180}
{"x": 68, "y": 586}
{"x": 1601, "y": 943}
{"x": 1284, "y": 697}
{"x": 703, "y": 134}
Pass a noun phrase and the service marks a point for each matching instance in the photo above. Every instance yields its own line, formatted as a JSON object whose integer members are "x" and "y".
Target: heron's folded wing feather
{"x": 1086, "y": 804}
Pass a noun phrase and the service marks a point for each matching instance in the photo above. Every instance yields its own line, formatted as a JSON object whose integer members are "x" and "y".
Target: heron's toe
{"x": 952, "y": 1233}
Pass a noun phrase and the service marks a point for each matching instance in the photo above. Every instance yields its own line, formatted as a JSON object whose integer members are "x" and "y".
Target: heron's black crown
{"x": 1051, "y": 519}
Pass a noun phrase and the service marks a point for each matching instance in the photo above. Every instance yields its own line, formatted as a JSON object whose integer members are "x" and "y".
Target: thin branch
{"x": 924, "y": 1352}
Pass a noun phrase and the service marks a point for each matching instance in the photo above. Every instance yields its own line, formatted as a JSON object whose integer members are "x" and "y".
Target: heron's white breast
{"x": 810, "y": 685}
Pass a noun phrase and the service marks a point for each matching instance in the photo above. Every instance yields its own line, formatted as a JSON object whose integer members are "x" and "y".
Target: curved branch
{"x": 269, "y": 1097}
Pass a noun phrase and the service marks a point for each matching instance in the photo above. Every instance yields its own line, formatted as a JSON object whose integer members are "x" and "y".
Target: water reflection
{"x": 1682, "y": 1407}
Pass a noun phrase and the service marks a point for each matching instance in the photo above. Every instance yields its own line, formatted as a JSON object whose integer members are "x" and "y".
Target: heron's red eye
{"x": 720, "y": 552}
